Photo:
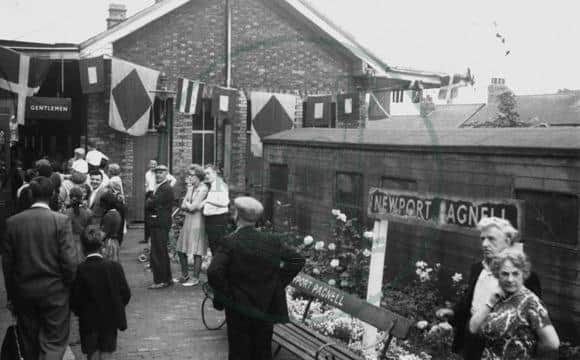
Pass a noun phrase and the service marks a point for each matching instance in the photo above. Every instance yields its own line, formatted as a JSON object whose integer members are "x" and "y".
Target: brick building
{"x": 278, "y": 47}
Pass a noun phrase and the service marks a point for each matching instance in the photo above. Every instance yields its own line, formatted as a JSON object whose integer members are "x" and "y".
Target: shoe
{"x": 181, "y": 280}
{"x": 157, "y": 286}
{"x": 191, "y": 282}
{"x": 142, "y": 258}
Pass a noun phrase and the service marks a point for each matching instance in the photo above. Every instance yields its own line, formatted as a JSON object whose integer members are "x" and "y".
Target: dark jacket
{"x": 250, "y": 271}
{"x": 159, "y": 206}
{"x": 462, "y": 310}
{"x": 39, "y": 257}
{"x": 100, "y": 294}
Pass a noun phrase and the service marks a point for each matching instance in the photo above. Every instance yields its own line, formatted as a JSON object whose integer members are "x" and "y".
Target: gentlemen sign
{"x": 48, "y": 108}
{"x": 439, "y": 211}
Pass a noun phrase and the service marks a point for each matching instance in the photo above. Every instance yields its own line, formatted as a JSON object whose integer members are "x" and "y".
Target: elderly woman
{"x": 192, "y": 241}
{"x": 495, "y": 235}
{"x": 514, "y": 322}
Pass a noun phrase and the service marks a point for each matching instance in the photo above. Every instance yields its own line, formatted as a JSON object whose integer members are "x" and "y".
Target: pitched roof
{"x": 101, "y": 43}
{"x": 561, "y": 109}
{"x": 448, "y": 116}
{"x": 548, "y": 141}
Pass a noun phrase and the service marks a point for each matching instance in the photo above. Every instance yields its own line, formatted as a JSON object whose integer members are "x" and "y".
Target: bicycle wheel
{"x": 211, "y": 318}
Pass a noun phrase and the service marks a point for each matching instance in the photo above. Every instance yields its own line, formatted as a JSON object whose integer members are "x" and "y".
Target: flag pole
{"x": 228, "y": 14}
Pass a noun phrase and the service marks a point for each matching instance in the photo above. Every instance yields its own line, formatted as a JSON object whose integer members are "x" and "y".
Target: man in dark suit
{"x": 496, "y": 234}
{"x": 99, "y": 296}
{"x": 39, "y": 261}
{"x": 159, "y": 208}
{"x": 249, "y": 274}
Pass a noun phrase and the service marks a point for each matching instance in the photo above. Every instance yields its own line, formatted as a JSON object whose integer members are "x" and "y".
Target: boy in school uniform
{"x": 98, "y": 297}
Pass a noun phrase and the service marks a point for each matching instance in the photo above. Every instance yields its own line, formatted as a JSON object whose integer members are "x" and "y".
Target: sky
{"x": 442, "y": 35}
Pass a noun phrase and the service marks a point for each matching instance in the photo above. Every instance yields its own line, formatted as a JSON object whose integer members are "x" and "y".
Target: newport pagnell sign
{"x": 440, "y": 210}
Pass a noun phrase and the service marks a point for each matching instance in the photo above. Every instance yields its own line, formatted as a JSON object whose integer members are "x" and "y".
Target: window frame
{"x": 526, "y": 236}
{"x": 359, "y": 207}
{"x": 205, "y": 105}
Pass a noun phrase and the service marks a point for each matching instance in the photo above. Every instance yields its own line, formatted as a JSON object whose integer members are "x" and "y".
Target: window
{"x": 397, "y": 96}
{"x": 309, "y": 181}
{"x": 550, "y": 216}
{"x": 203, "y": 135}
{"x": 278, "y": 177}
{"x": 394, "y": 183}
{"x": 349, "y": 194}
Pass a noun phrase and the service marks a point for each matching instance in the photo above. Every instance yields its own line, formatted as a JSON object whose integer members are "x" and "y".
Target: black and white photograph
{"x": 289, "y": 180}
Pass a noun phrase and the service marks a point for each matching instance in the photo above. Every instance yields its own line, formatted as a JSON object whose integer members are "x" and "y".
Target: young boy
{"x": 98, "y": 297}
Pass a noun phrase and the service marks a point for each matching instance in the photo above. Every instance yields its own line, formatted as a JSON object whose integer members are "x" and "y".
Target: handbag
{"x": 11, "y": 346}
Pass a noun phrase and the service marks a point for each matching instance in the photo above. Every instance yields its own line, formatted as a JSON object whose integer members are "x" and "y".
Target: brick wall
{"x": 271, "y": 51}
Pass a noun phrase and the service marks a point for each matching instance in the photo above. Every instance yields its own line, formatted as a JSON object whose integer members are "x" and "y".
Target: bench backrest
{"x": 380, "y": 318}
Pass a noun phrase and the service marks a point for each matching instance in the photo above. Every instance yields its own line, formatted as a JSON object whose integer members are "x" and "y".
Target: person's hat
{"x": 248, "y": 208}
{"x": 160, "y": 167}
{"x": 80, "y": 166}
{"x": 80, "y": 151}
{"x": 94, "y": 157}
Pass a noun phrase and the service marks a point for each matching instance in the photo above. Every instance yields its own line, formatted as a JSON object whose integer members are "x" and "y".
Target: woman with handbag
{"x": 192, "y": 241}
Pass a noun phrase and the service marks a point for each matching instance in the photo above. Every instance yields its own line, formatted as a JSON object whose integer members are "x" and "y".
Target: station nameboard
{"x": 440, "y": 211}
{"x": 48, "y": 108}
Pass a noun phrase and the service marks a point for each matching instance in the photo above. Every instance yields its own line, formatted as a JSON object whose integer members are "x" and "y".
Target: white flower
{"x": 335, "y": 212}
{"x": 424, "y": 277}
{"x": 331, "y": 246}
{"x": 341, "y": 217}
{"x": 316, "y": 271}
{"x": 331, "y": 282}
{"x": 421, "y": 264}
{"x": 343, "y": 283}
{"x": 334, "y": 263}
{"x": 422, "y": 324}
{"x": 445, "y": 326}
{"x": 368, "y": 234}
{"x": 319, "y": 245}
{"x": 429, "y": 270}
{"x": 308, "y": 240}
{"x": 457, "y": 277}
{"x": 366, "y": 253}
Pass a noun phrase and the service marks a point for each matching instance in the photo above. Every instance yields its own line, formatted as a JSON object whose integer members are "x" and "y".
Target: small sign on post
{"x": 375, "y": 282}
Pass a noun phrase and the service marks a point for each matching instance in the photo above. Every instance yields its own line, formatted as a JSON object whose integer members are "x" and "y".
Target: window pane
{"x": 197, "y": 148}
{"x": 279, "y": 177}
{"x": 348, "y": 189}
{"x": 208, "y": 118}
{"x": 550, "y": 216}
{"x": 209, "y": 148}
{"x": 197, "y": 122}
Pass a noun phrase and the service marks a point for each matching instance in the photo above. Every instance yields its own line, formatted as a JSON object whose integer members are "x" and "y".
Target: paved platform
{"x": 162, "y": 324}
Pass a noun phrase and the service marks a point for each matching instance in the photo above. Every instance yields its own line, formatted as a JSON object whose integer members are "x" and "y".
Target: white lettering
{"x": 410, "y": 209}
{"x": 420, "y": 209}
{"x": 462, "y": 214}
{"x": 450, "y": 215}
{"x": 473, "y": 215}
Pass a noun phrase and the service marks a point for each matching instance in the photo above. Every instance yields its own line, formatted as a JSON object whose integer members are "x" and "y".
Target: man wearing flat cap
{"x": 249, "y": 274}
{"x": 159, "y": 207}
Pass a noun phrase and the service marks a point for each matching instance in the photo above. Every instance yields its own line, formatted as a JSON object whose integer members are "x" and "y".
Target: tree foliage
{"x": 507, "y": 115}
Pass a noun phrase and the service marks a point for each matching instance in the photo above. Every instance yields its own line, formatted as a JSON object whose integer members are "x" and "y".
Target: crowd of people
{"x": 62, "y": 253}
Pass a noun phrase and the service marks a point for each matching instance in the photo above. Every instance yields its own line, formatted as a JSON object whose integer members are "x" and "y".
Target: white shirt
{"x": 485, "y": 285}
{"x": 94, "y": 255}
{"x": 24, "y": 186}
{"x": 40, "y": 205}
{"x": 219, "y": 195}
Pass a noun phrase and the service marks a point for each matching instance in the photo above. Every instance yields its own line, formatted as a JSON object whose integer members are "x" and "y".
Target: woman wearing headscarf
{"x": 111, "y": 224}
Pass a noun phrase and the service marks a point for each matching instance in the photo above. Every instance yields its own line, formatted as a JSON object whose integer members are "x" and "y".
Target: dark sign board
{"x": 380, "y": 318}
{"x": 439, "y": 210}
{"x": 45, "y": 108}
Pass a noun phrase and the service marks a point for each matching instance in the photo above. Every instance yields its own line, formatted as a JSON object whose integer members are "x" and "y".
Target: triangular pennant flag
{"x": 132, "y": 95}
{"x": 92, "y": 75}
{"x": 188, "y": 95}
{"x": 22, "y": 76}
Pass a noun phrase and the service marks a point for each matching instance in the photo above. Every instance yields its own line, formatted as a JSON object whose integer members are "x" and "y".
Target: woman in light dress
{"x": 192, "y": 240}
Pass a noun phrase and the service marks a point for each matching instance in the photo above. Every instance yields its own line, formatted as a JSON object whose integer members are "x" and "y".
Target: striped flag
{"x": 188, "y": 94}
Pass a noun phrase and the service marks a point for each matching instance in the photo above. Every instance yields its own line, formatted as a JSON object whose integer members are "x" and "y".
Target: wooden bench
{"x": 306, "y": 343}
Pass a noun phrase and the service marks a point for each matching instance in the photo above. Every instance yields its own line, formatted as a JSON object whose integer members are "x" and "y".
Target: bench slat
{"x": 342, "y": 352}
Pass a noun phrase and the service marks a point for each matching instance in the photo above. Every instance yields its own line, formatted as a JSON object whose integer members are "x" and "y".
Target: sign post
{"x": 375, "y": 281}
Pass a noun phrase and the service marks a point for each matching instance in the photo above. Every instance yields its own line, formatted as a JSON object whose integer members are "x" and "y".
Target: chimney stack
{"x": 496, "y": 88}
{"x": 117, "y": 14}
